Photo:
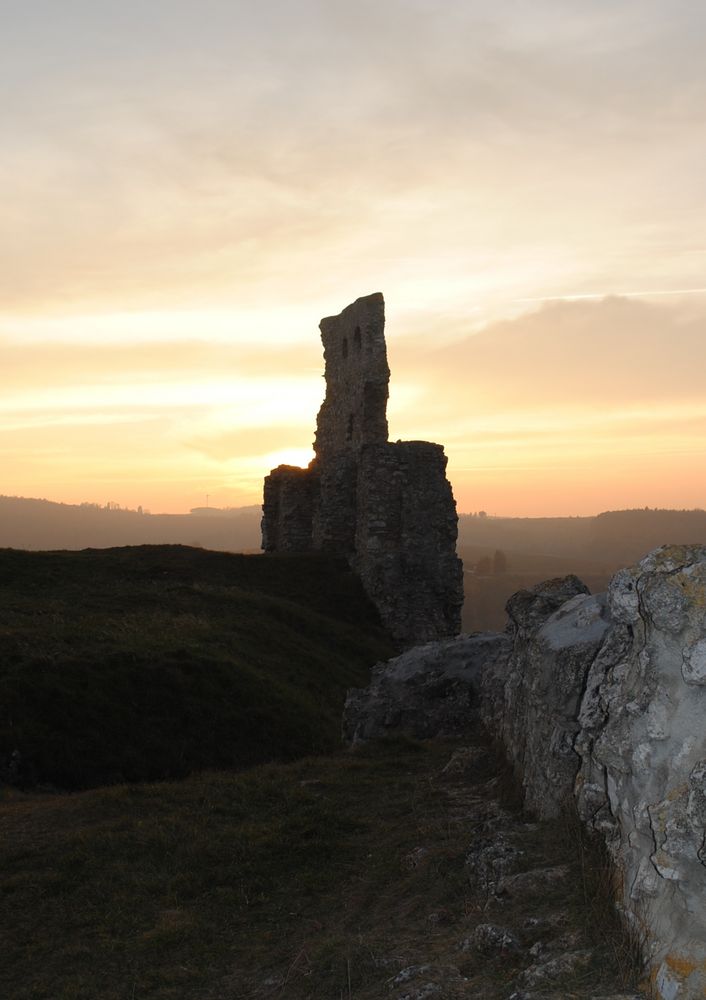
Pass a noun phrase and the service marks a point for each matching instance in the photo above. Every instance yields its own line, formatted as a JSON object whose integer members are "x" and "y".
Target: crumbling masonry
{"x": 387, "y": 507}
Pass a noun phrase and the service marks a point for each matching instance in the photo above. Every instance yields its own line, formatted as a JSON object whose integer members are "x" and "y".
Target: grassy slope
{"x": 315, "y": 879}
{"x": 150, "y": 662}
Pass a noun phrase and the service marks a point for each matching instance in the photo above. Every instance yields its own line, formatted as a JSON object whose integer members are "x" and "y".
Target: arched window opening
{"x": 344, "y": 347}
{"x": 358, "y": 339}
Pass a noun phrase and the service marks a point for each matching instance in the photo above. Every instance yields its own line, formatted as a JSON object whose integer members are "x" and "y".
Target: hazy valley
{"x": 531, "y": 549}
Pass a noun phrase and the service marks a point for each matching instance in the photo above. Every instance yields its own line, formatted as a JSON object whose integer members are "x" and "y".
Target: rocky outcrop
{"x": 642, "y": 743}
{"x": 601, "y": 701}
{"x": 604, "y": 700}
{"x": 388, "y": 507}
{"x": 533, "y": 701}
{"x": 430, "y": 690}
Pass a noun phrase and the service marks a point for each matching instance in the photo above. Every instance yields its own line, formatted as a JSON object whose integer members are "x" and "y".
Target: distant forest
{"x": 501, "y": 554}
{"x": 609, "y": 540}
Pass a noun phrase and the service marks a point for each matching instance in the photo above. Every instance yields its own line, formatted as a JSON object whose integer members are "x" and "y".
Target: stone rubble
{"x": 462, "y": 942}
{"x": 556, "y": 968}
{"x": 535, "y": 956}
{"x": 490, "y": 939}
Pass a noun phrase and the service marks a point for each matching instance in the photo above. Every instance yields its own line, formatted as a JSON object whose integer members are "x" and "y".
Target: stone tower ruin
{"x": 387, "y": 507}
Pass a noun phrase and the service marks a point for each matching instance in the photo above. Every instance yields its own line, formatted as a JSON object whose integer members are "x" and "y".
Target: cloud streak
{"x": 219, "y": 156}
{"x": 186, "y": 190}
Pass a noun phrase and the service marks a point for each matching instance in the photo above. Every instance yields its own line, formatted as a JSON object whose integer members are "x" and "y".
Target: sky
{"x": 188, "y": 188}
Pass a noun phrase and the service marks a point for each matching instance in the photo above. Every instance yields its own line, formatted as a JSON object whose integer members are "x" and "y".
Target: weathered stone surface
{"x": 533, "y": 881}
{"x": 604, "y": 696}
{"x": 430, "y": 690}
{"x": 532, "y": 700}
{"x": 491, "y": 939}
{"x": 612, "y": 688}
{"x": 423, "y": 982}
{"x": 289, "y": 498}
{"x": 493, "y": 858}
{"x": 354, "y": 411}
{"x": 335, "y": 504}
{"x": 528, "y": 609}
{"x": 387, "y": 507}
{"x": 558, "y": 967}
{"x": 643, "y": 750}
{"x": 405, "y": 544}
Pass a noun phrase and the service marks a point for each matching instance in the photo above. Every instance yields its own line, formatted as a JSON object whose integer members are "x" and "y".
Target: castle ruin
{"x": 387, "y": 507}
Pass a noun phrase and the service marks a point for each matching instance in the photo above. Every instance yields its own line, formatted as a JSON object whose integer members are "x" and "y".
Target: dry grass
{"x": 600, "y": 888}
{"x": 318, "y": 879}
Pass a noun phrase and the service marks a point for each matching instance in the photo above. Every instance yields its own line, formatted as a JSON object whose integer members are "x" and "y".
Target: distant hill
{"x": 41, "y": 524}
{"x": 152, "y": 662}
{"x": 605, "y": 542}
{"x": 626, "y": 535}
{"x": 535, "y": 549}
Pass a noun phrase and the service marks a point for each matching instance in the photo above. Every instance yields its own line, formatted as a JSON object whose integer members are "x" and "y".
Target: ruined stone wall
{"x": 387, "y": 507}
{"x": 288, "y": 503}
{"x": 354, "y": 411}
{"x": 405, "y": 549}
{"x": 335, "y": 502}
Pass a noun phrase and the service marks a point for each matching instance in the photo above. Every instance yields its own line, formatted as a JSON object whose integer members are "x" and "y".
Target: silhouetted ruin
{"x": 388, "y": 507}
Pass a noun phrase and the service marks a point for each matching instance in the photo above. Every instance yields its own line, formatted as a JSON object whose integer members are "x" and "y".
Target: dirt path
{"x": 460, "y": 895}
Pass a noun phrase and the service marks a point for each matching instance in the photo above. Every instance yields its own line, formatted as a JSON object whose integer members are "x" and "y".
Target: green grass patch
{"x": 145, "y": 663}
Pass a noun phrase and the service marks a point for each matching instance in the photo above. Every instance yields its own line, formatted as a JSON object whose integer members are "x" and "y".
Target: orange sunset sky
{"x": 187, "y": 188}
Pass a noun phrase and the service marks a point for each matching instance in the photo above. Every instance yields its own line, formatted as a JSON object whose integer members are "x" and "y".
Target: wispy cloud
{"x": 645, "y": 294}
{"x": 186, "y": 189}
{"x": 251, "y": 155}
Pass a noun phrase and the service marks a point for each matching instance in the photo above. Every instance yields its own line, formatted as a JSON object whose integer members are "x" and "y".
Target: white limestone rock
{"x": 430, "y": 690}
{"x": 533, "y": 700}
{"x": 605, "y": 696}
{"x": 643, "y": 749}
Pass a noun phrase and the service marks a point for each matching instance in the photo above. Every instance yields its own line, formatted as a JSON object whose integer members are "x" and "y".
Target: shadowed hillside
{"x": 152, "y": 662}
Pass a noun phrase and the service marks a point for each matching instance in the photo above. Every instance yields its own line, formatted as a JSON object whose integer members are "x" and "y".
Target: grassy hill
{"x": 152, "y": 662}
